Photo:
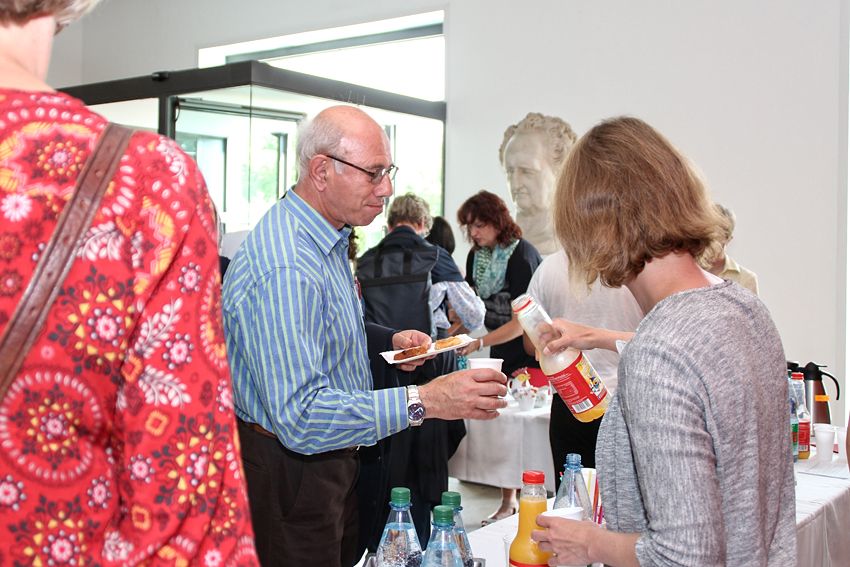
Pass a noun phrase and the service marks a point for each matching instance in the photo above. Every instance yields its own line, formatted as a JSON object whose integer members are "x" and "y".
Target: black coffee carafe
{"x": 817, "y": 400}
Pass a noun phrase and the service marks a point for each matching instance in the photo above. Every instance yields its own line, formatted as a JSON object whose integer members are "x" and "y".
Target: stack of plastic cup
{"x": 825, "y": 438}
{"x": 841, "y": 438}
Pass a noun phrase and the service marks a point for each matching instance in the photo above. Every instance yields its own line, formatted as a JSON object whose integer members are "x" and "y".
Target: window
{"x": 403, "y": 55}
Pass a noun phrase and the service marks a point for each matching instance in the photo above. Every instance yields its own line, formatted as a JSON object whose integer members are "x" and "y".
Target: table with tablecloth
{"x": 823, "y": 524}
{"x": 496, "y": 452}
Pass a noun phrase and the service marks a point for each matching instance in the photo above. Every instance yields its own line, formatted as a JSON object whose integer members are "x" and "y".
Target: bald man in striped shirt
{"x": 297, "y": 346}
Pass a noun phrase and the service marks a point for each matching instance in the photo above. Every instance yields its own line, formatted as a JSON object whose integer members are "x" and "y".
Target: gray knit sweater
{"x": 694, "y": 451}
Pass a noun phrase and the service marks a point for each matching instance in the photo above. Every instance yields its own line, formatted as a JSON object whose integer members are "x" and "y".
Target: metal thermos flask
{"x": 817, "y": 400}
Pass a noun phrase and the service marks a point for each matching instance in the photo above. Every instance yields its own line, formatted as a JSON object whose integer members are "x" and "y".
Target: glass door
{"x": 243, "y": 136}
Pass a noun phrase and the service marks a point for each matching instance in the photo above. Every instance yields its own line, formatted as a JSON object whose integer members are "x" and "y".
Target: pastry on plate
{"x": 447, "y": 343}
{"x": 411, "y": 352}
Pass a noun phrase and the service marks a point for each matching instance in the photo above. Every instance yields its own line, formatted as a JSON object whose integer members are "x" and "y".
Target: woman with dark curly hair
{"x": 499, "y": 267}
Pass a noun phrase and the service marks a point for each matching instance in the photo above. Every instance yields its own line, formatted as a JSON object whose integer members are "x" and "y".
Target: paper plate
{"x": 389, "y": 356}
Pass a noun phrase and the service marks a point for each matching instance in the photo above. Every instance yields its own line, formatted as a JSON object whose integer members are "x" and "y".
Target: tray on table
{"x": 372, "y": 562}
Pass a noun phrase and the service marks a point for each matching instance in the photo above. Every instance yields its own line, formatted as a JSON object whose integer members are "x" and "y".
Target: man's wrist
{"x": 415, "y": 408}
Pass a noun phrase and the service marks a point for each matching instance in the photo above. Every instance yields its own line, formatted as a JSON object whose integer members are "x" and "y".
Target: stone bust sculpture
{"x": 531, "y": 153}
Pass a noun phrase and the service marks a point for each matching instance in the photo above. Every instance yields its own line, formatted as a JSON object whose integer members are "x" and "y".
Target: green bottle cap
{"x": 400, "y": 495}
{"x": 451, "y": 499}
{"x": 444, "y": 515}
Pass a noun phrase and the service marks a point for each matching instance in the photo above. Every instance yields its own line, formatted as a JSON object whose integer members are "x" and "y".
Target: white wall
{"x": 755, "y": 92}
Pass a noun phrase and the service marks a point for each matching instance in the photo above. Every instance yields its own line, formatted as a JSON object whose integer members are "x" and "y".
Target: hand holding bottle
{"x": 568, "y": 370}
{"x": 582, "y": 337}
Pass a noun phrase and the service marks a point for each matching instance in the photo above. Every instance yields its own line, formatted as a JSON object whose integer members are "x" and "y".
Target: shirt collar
{"x": 730, "y": 265}
{"x": 404, "y": 229}
{"x": 320, "y": 230}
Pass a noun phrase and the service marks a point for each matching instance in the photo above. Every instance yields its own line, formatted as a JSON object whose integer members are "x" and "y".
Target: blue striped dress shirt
{"x": 296, "y": 340}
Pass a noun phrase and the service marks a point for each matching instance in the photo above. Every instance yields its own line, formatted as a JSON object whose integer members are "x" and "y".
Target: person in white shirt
{"x": 603, "y": 308}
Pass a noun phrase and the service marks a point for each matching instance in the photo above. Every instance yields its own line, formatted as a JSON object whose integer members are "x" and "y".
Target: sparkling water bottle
{"x": 453, "y": 499}
{"x": 442, "y": 548}
{"x": 573, "y": 490}
{"x": 399, "y": 545}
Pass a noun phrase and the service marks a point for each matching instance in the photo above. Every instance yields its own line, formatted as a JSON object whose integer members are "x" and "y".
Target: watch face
{"x": 415, "y": 413}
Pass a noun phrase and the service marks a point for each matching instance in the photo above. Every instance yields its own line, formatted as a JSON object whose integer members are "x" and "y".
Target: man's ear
{"x": 317, "y": 169}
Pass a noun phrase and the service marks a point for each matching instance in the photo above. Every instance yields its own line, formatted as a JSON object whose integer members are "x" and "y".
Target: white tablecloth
{"x": 823, "y": 525}
{"x": 823, "y": 519}
{"x": 496, "y": 452}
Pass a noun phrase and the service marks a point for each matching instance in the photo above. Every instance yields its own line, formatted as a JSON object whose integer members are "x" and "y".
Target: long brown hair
{"x": 626, "y": 195}
{"x": 489, "y": 209}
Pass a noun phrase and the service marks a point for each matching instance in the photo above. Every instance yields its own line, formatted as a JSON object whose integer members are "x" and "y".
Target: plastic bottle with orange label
{"x": 569, "y": 371}
{"x": 532, "y": 501}
{"x": 804, "y": 434}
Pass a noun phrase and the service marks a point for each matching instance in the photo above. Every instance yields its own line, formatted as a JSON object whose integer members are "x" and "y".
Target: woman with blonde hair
{"x": 117, "y": 435}
{"x": 693, "y": 454}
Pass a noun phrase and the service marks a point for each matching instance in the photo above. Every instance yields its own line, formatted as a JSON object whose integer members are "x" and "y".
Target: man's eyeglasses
{"x": 377, "y": 175}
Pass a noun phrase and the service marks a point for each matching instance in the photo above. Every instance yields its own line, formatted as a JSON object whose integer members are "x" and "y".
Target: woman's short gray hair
{"x": 63, "y": 11}
{"x": 318, "y": 136}
{"x": 409, "y": 208}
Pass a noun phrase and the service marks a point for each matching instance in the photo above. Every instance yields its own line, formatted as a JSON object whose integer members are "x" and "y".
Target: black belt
{"x": 263, "y": 431}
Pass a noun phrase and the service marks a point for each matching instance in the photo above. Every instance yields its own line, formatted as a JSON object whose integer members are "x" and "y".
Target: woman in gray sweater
{"x": 694, "y": 452}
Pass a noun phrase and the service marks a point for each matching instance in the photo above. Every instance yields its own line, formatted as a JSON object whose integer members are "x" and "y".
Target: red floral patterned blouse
{"x": 118, "y": 440}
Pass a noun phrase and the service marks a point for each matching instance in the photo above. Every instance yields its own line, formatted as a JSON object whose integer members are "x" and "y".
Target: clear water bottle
{"x": 452, "y": 499}
{"x": 399, "y": 545}
{"x": 573, "y": 490}
{"x": 442, "y": 548}
{"x": 795, "y": 430}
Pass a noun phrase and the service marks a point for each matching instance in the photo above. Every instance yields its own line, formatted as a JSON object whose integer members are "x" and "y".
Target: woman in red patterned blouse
{"x": 118, "y": 441}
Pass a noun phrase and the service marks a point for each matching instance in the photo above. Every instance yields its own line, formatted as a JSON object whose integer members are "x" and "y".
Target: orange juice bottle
{"x": 532, "y": 501}
{"x": 569, "y": 371}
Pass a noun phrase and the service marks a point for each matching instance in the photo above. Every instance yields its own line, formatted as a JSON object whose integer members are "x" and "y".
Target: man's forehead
{"x": 373, "y": 146}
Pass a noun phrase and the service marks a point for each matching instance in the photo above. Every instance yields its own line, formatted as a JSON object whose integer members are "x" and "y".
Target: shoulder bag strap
{"x": 58, "y": 256}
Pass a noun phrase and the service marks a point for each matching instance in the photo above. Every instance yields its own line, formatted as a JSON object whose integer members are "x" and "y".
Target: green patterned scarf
{"x": 489, "y": 267}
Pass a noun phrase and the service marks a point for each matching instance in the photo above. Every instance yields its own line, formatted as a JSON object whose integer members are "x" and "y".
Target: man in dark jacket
{"x": 417, "y": 459}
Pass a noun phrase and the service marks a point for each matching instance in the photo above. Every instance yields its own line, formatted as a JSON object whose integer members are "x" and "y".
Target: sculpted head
{"x": 531, "y": 153}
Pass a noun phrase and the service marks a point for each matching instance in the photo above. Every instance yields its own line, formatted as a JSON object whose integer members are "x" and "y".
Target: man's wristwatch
{"x": 415, "y": 409}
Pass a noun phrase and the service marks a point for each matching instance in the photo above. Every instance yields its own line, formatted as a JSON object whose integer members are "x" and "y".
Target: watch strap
{"x": 415, "y": 409}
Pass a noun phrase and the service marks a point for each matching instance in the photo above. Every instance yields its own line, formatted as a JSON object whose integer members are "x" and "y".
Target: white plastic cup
{"x": 526, "y": 403}
{"x": 825, "y": 438}
{"x": 508, "y": 539}
{"x": 494, "y": 363}
{"x": 570, "y": 512}
{"x": 841, "y": 438}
